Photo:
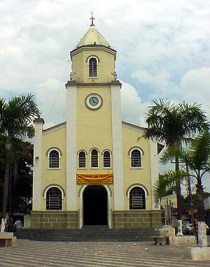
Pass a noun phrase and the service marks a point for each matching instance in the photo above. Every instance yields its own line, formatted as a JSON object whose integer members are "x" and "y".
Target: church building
{"x": 94, "y": 168}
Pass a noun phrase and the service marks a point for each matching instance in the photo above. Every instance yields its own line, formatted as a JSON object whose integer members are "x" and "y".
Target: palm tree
{"x": 171, "y": 123}
{"x": 198, "y": 160}
{"x": 164, "y": 186}
{"x": 16, "y": 118}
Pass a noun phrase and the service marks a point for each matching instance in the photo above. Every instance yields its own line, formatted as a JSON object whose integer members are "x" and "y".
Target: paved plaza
{"x": 90, "y": 254}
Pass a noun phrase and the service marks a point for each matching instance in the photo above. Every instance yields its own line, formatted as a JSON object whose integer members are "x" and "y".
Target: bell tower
{"x": 93, "y": 114}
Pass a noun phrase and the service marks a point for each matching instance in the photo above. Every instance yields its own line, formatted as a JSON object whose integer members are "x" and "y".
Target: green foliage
{"x": 21, "y": 178}
{"x": 199, "y": 154}
{"x": 171, "y": 123}
{"x": 196, "y": 159}
{"x": 166, "y": 184}
{"x": 16, "y": 118}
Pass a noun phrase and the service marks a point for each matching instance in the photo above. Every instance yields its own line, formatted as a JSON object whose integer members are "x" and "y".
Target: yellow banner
{"x": 95, "y": 179}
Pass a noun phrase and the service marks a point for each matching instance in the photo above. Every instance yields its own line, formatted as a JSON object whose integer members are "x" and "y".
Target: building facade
{"x": 94, "y": 169}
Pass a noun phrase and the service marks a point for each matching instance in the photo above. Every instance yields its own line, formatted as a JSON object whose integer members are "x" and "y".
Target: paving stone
{"x": 29, "y": 253}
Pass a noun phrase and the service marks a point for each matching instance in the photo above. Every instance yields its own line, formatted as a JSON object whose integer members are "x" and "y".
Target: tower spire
{"x": 92, "y": 19}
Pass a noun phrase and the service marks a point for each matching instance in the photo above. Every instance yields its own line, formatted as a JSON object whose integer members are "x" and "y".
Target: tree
{"x": 198, "y": 160}
{"x": 16, "y": 118}
{"x": 164, "y": 186}
{"x": 21, "y": 187}
{"x": 172, "y": 123}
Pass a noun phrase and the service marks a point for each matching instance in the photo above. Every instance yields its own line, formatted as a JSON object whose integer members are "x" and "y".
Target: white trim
{"x": 136, "y": 185}
{"x": 110, "y": 154}
{"x": 52, "y": 186}
{"x": 136, "y": 148}
{"x": 117, "y": 148}
{"x": 71, "y": 153}
{"x": 59, "y": 158}
{"x": 141, "y": 157}
{"x": 109, "y": 209}
{"x": 78, "y": 167}
{"x": 37, "y": 169}
{"x": 145, "y": 196}
{"x": 90, "y": 155}
{"x": 96, "y": 105}
{"x": 92, "y": 56}
{"x": 154, "y": 170}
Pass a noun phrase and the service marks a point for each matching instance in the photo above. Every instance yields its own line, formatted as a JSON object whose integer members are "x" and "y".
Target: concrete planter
{"x": 198, "y": 253}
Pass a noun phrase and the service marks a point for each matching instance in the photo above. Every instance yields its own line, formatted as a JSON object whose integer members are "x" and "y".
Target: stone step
{"x": 87, "y": 234}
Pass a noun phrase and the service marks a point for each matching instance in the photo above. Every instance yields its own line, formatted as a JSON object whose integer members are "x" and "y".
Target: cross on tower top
{"x": 92, "y": 19}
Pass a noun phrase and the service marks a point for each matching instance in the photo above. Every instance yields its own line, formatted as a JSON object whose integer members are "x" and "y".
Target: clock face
{"x": 93, "y": 101}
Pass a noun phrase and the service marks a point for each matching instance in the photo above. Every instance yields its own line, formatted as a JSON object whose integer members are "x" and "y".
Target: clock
{"x": 93, "y": 101}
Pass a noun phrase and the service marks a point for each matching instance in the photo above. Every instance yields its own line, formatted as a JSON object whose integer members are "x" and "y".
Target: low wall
{"x": 198, "y": 253}
{"x": 136, "y": 219}
{"x": 54, "y": 220}
{"x": 131, "y": 219}
{"x": 183, "y": 240}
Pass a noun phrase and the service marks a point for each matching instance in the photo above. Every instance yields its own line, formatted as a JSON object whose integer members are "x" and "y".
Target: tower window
{"x": 92, "y": 67}
{"x": 82, "y": 159}
{"x": 137, "y": 198}
{"x": 135, "y": 158}
{"x": 54, "y": 199}
{"x": 54, "y": 159}
{"x": 107, "y": 159}
{"x": 94, "y": 158}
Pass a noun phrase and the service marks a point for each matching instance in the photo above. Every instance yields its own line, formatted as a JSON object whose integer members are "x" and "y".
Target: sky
{"x": 163, "y": 50}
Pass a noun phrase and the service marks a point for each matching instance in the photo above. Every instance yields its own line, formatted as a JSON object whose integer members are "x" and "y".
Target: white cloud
{"x": 133, "y": 109}
{"x": 196, "y": 86}
{"x": 163, "y": 50}
{"x": 51, "y": 99}
{"x": 158, "y": 42}
{"x": 160, "y": 80}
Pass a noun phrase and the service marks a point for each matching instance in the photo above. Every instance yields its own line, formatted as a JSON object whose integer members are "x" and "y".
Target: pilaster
{"x": 38, "y": 125}
{"x": 71, "y": 141}
{"x": 154, "y": 169}
{"x": 117, "y": 146}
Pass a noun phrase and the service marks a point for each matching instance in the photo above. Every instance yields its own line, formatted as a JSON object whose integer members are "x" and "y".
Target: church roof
{"x": 92, "y": 37}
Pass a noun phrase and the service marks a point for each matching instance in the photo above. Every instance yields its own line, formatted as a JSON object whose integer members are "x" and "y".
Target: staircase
{"x": 87, "y": 234}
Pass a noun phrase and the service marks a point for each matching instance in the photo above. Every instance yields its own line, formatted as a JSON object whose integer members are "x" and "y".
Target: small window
{"x": 94, "y": 158}
{"x": 54, "y": 159}
{"x": 54, "y": 199}
{"x": 135, "y": 158}
{"x": 82, "y": 159}
{"x": 92, "y": 67}
{"x": 107, "y": 159}
{"x": 137, "y": 198}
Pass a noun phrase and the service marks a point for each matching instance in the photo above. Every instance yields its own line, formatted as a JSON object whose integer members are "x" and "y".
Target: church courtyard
{"x": 89, "y": 254}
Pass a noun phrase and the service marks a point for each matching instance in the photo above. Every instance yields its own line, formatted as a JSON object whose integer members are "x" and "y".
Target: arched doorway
{"x": 95, "y": 205}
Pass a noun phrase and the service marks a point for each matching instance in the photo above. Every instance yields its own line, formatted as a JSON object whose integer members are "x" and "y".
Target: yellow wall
{"x": 133, "y": 137}
{"x": 54, "y": 137}
{"x": 97, "y": 136}
{"x": 80, "y": 68}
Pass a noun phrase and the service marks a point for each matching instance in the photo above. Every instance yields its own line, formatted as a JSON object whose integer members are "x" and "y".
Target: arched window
{"x": 94, "y": 158}
{"x": 54, "y": 159}
{"x": 92, "y": 67}
{"x": 82, "y": 159}
{"x": 137, "y": 198}
{"x": 107, "y": 159}
{"x": 54, "y": 199}
{"x": 135, "y": 158}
